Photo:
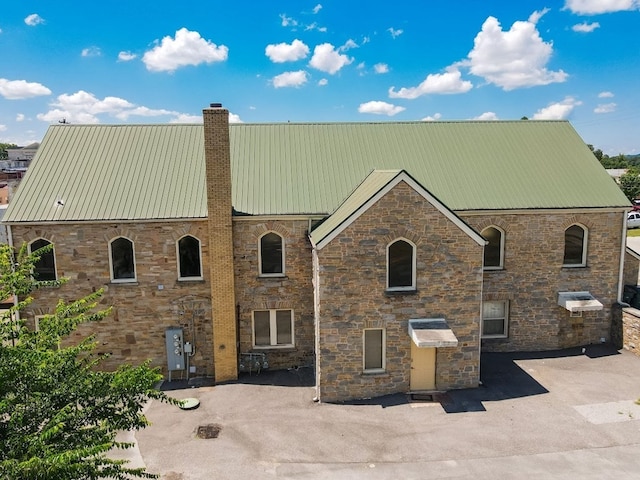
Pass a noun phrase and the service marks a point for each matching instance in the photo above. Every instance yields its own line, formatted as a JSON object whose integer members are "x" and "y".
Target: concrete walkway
{"x": 553, "y": 415}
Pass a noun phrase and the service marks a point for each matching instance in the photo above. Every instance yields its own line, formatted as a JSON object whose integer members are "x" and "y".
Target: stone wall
{"x": 134, "y": 332}
{"x": 352, "y": 297}
{"x": 293, "y": 290}
{"x": 533, "y": 275}
{"x": 631, "y": 269}
{"x": 631, "y": 330}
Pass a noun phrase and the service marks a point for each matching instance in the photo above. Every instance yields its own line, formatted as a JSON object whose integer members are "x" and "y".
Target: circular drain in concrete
{"x": 208, "y": 431}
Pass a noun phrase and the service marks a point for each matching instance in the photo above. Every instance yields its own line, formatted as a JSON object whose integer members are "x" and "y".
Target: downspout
{"x": 316, "y": 314}
{"x": 623, "y": 249}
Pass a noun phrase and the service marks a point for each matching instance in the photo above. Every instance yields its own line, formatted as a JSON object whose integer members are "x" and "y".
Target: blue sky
{"x": 117, "y": 61}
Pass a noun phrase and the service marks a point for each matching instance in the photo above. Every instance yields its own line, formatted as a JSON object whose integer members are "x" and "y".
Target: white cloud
{"x": 290, "y": 79}
{"x": 605, "y": 108}
{"x": 381, "y": 68}
{"x": 317, "y": 8}
{"x": 84, "y": 107}
{"x": 436, "y": 117}
{"x": 3, "y": 128}
{"x": 126, "y": 56}
{"x": 91, "y": 52}
{"x": 33, "y": 20}
{"x": 327, "y": 59}
{"x": 314, "y": 26}
{"x": 322, "y": 82}
{"x": 585, "y": 27}
{"x": 594, "y": 7}
{"x": 283, "y": 52}
{"x": 348, "y": 45}
{"x": 436, "y": 83}
{"x": 234, "y": 118}
{"x": 487, "y": 116}
{"x": 395, "y": 33}
{"x": 557, "y": 111}
{"x": 20, "y": 89}
{"x": 20, "y": 117}
{"x": 187, "y": 48}
{"x": 380, "y": 108}
{"x": 287, "y": 21}
{"x": 515, "y": 58}
{"x": 605, "y": 95}
{"x": 186, "y": 118}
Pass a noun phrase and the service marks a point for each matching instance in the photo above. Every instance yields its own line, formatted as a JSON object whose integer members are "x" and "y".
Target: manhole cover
{"x": 189, "y": 403}
{"x": 208, "y": 431}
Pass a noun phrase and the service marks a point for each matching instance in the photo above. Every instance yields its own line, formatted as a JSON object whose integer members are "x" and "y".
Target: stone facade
{"x": 135, "y": 330}
{"x": 533, "y": 275}
{"x": 631, "y": 330}
{"x": 352, "y": 297}
{"x": 293, "y": 290}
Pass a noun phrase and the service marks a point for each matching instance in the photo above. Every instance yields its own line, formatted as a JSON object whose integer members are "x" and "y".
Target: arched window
{"x": 494, "y": 250}
{"x": 401, "y": 266}
{"x": 45, "y": 268}
{"x": 123, "y": 265}
{"x": 271, "y": 254}
{"x": 575, "y": 246}
{"x": 189, "y": 264}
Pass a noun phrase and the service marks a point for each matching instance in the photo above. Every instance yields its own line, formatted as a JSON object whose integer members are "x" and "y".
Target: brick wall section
{"x": 631, "y": 330}
{"x": 352, "y": 281}
{"x": 533, "y": 275}
{"x": 631, "y": 269}
{"x": 293, "y": 291}
{"x": 218, "y": 172}
{"x": 142, "y": 311}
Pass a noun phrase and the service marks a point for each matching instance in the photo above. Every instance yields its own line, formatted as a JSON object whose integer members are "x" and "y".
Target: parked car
{"x": 633, "y": 219}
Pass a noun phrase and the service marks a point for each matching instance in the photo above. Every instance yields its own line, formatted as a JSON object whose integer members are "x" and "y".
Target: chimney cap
{"x": 215, "y": 105}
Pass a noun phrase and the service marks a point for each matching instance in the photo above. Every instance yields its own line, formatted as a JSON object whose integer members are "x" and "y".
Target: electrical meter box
{"x": 174, "y": 339}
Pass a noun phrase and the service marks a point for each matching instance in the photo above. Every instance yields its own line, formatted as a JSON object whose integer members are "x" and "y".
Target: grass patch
{"x": 634, "y": 232}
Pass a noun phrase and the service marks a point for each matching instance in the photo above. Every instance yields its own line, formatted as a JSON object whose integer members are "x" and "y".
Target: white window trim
{"x": 505, "y": 333}
{"x": 273, "y": 329}
{"x": 384, "y": 351}
{"x": 135, "y": 269}
{"x": 260, "y": 273}
{"x": 189, "y": 279}
{"x": 414, "y": 255}
{"x": 53, "y": 252}
{"x": 501, "y": 264}
{"x": 585, "y": 242}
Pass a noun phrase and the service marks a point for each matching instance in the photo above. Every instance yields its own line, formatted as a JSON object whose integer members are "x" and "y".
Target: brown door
{"x": 423, "y": 368}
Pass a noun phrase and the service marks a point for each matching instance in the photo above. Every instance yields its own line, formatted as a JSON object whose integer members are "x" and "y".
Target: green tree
{"x": 3, "y": 149}
{"x": 630, "y": 183}
{"x": 59, "y": 413}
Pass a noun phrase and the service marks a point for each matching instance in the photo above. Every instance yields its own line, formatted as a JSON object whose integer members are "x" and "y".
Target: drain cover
{"x": 189, "y": 403}
{"x": 208, "y": 431}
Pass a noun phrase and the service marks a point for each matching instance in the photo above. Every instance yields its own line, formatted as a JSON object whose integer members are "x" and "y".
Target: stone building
{"x": 389, "y": 256}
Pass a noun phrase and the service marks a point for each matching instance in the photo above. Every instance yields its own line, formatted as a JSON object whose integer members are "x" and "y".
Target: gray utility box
{"x": 174, "y": 339}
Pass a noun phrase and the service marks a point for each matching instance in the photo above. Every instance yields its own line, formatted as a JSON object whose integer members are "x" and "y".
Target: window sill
{"x": 280, "y": 348}
{"x": 574, "y": 266}
{"x": 191, "y": 279}
{"x": 374, "y": 373}
{"x": 494, "y": 337}
{"x": 395, "y": 293}
{"x": 493, "y": 269}
{"x": 116, "y": 282}
{"x": 272, "y": 275}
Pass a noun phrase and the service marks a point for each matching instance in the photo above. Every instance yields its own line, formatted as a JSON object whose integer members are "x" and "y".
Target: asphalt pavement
{"x": 555, "y": 415}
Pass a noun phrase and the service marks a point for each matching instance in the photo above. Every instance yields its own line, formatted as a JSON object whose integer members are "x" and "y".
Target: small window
{"x": 45, "y": 268}
{"x": 190, "y": 266}
{"x": 273, "y": 328}
{"x": 495, "y": 321}
{"x": 401, "y": 266}
{"x": 271, "y": 255}
{"x": 122, "y": 260}
{"x": 494, "y": 250}
{"x": 374, "y": 350}
{"x": 575, "y": 246}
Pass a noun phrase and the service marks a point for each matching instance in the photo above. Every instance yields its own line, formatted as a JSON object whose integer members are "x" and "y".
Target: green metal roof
{"x": 133, "y": 172}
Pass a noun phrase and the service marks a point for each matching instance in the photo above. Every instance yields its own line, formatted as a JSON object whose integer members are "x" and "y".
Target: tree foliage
{"x": 630, "y": 183}
{"x": 3, "y": 149}
{"x": 59, "y": 413}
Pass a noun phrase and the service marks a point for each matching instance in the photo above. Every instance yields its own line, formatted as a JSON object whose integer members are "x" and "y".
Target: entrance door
{"x": 423, "y": 368}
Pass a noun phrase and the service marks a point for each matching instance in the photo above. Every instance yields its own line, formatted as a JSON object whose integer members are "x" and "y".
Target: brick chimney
{"x": 218, "y": 172}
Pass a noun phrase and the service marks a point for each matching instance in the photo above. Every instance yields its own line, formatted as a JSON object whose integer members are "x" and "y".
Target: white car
{"x": 633, "y": 220}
